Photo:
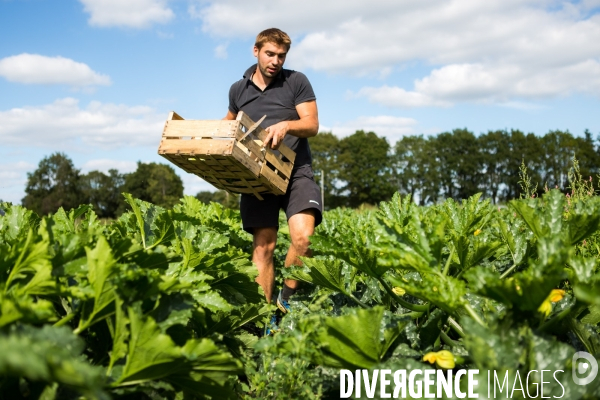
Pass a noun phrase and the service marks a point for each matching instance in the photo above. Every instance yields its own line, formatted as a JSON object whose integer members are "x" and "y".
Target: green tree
{"x": 460, "y": 163}
{"x": 222, "y": 197}
{"x": 325, "y": 151}
{"x": 103, "y": 191}
{"x": 54, "y": 184}
{"x": 495, "y": 148}
{"x": 417, "y": 168}
{"x": 155, "y": 183}
{"x": 587, "y": 155}
{"x": 522, "y": 148}
{"x": 365, "y": 168}
{"x": 559, "y": 149}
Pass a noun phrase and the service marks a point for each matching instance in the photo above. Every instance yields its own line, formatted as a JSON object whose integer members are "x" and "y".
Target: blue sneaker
{"x": 282, "y": 304}
{"x": 272, "y": 326}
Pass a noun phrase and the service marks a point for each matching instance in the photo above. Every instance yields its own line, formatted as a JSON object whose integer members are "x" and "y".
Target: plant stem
{"x": 508, "y": 271}
{"x": 448, "y": 261}
{"x": 457, "y": 328}
{"x": 17, "y": 264}
{"x": 403, "y": 303}
{"x": 65, "y": 319}
{"x": 412, "y": 315}
{"x": 446, "y": 339}
{"x": 357, "y": 301}
{"x": 474, "y": 315}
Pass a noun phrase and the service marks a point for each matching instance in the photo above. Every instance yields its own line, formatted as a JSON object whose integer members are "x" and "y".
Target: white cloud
{"x": 13, "y": 179}
{"x": 165, "y": 35}
{"x": 105, "y": 164}
{"x": 127, "y": 13}
{"x": 64, "y": 123}
{"x": 38, "y": 69}
{"x": 398, "y": 97}
{"x": 483, "y": 83}
{"x": 483, "y": 51}
{"x": 221, "y": 52}
{"x": 393, "y": 128}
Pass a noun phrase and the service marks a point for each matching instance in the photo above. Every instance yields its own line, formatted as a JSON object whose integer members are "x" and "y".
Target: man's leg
{"x": 302, "y": 225}
{"x": 264, "y": 242}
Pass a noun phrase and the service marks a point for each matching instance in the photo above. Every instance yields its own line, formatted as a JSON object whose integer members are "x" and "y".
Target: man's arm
{"x": 307, "y": 126}
{"x": 230, "y": 116}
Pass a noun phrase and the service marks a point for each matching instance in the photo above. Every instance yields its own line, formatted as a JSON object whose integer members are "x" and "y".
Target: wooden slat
{"x": 198, "y": 128}
{"x": 283, "y": 167}
{"x": 245, "y": 159}
{"x": 278, "y": 185}
{"x": 174, "y": 116}
{"x": 197, "y": 147}
{"x": 254, "y": 147}
{"x": 262, "y": 134}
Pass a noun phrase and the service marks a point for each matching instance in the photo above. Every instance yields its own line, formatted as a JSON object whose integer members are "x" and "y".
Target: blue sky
{"x": 96, "y": 79}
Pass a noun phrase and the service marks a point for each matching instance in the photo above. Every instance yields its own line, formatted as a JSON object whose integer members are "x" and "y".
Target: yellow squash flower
{"x": 477, "y": 232}
{"x": 443, "y": 359}
{"x": 398, "y": 291}
{"x": 545, "y": 308}
{"x": 555, "y": 296}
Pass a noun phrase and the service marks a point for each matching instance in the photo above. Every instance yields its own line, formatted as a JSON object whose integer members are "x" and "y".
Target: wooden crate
{"x": 227, "y": 154}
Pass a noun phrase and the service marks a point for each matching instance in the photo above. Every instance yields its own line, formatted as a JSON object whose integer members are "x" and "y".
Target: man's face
{"x": 270, "y": 58}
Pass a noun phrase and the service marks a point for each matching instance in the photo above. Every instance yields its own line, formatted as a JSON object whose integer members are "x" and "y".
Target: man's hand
{"x": 276, "y": 133}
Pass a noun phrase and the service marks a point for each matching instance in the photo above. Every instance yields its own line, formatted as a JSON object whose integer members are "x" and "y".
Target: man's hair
{"x": 273, "y": 35}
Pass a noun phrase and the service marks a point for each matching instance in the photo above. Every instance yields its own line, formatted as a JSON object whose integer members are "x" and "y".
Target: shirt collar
{"x": 248, "y": 74}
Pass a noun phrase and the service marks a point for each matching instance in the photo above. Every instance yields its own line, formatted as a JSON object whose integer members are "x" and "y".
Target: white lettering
{"x": 400, "y": 384}
{"x": 459, "y": 394}
{"x": 472, "y": 382}
{"x": 542, "y": 384}
{"x": 517, "y": 376}
{"x": 412, "y": 384}
{"x": 346, "y": 375}
{"x": 383, "y": 384}
{"x": 557, "y": 381}
{"x": 444, "y": 382}
{"x": 532, "y": 384}
{"x": 504, "y": 382}
{"x": 358, "y": 383}
{"x": 428, "y": 383}
{"x": 370, "y": 385}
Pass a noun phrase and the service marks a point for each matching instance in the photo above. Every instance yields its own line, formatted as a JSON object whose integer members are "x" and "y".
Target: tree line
{"x": 57, "y": 183}
{"x": 365, "y": 168}
{"x": 362, "y": 168}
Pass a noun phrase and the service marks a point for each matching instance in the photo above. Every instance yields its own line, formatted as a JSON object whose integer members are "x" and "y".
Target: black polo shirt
{"x": 278, "y": 102}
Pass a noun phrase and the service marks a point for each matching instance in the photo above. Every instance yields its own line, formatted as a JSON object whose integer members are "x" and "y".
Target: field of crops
{"x": 162, "y": 304}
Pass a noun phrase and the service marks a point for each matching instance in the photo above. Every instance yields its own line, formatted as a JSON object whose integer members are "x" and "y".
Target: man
{"x": 287, "y": 99}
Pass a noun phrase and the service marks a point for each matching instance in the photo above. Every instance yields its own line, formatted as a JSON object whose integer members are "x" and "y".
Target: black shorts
{"x": 303, "y": 193}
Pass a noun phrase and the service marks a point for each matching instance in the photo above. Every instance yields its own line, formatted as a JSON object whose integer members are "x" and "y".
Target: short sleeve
{"x": 232, "y": 100}
{"x": 303, "y": 90}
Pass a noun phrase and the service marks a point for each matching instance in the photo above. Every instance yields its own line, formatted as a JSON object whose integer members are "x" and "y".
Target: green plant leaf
{"x": 101, "y": 267}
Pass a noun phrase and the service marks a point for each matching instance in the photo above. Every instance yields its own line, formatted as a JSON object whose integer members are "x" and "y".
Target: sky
{"x": 96, "y": 79}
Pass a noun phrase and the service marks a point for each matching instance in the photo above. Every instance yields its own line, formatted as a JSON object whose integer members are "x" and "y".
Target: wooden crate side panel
{"x": 196, "y": 146}
{"x": 277, "y": 184}
{"x": 200, "y": 129}
{"x": 285, "y": 169}
{"x": 261, "y": 134}
{"x": 255, "y": 148}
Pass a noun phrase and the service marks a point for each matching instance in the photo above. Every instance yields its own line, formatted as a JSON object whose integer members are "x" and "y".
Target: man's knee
{"x": 302, "y": 225}
{"x": 265, "y": 240}
{"x": 301, "y": 244}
